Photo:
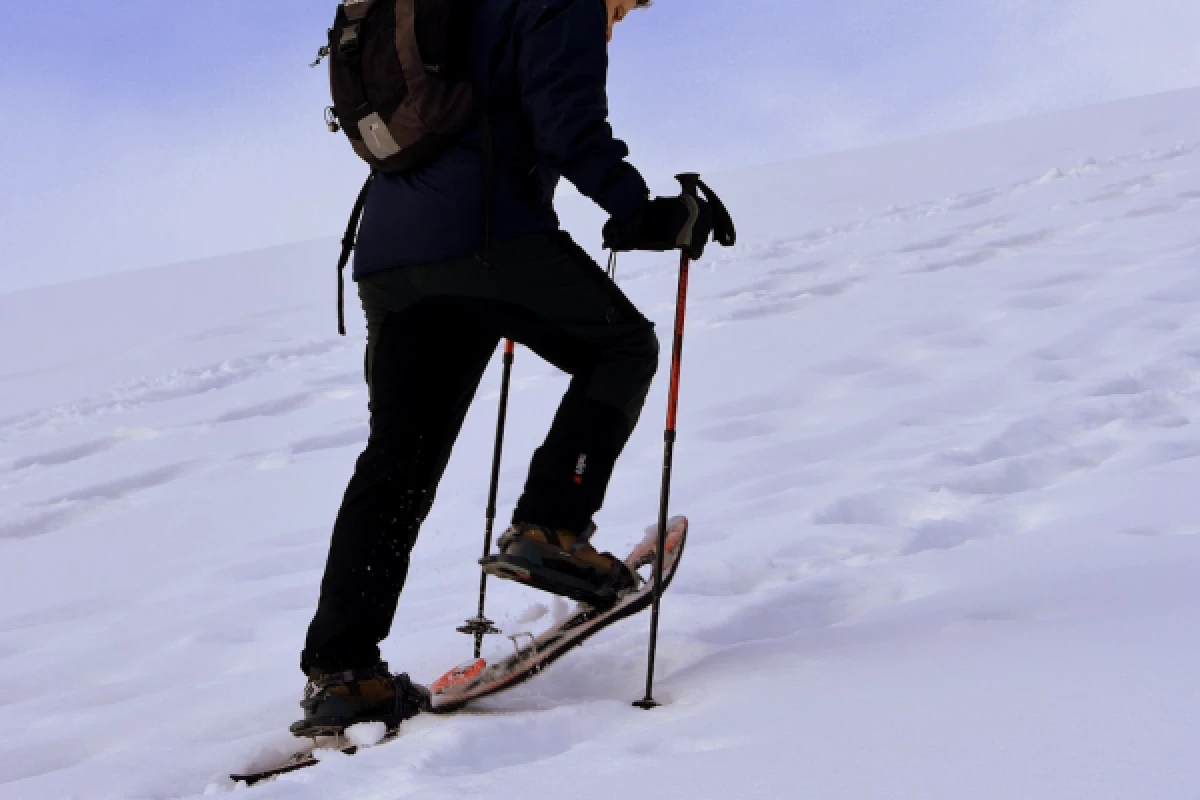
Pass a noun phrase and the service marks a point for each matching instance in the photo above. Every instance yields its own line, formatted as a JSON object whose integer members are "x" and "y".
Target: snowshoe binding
{"x": 560, "y": 562}
{"x": 334, "y": 701}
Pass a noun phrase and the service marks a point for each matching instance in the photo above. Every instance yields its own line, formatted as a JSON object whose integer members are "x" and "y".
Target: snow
{"x": 937, "y": 446}
{"x": 366, "y": 734}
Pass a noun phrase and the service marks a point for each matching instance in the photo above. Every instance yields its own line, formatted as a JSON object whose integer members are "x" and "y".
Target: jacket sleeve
{"x": 563, "y": 72}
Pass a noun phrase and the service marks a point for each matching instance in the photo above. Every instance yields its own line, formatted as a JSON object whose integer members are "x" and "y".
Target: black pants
{"x": 431, "y": 331}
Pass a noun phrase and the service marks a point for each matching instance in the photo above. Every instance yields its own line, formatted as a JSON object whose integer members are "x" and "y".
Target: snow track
{"x": 938, "y": 445}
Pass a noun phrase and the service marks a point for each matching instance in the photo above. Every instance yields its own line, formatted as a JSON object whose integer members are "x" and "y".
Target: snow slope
{"x": 938, "y": 444}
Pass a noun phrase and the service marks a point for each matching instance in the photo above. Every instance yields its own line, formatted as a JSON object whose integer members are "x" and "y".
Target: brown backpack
{"x": 398, "y": 74}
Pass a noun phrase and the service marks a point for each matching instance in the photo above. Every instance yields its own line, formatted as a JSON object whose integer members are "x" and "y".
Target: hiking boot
{"x": 561, "y": 562}
{"x": 333, "y": 701}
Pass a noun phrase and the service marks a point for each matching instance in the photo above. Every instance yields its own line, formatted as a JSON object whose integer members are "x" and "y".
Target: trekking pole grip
{"x": 724, "y": 231}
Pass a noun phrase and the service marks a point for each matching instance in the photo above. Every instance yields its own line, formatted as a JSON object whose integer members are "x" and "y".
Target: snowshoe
{"x": 533, "y": 654}
{"x": 334, "y": 701}
{"x": 560, "y": 562}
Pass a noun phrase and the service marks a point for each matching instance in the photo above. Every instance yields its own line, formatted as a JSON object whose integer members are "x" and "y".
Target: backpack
{"x": 401, "y": 92}
{"x": 398, "y": 76}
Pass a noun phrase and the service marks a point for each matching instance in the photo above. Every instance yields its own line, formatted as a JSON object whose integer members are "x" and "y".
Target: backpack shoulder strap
{"x": 348, "y": 242}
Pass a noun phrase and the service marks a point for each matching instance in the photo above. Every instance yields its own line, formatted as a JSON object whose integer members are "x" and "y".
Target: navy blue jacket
{"x": 542, "y": 67}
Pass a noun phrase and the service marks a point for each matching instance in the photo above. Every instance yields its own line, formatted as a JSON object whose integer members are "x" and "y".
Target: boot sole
{"x": 316, "y": 728}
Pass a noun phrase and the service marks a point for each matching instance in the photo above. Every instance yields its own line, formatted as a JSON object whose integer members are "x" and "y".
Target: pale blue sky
{"x": 146, "y": 131}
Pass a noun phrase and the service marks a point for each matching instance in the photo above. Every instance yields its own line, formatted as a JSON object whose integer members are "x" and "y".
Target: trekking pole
{"x": 726, "y": 235}
{"x": 480, "y": 625}
{"x": 685, "y": 260}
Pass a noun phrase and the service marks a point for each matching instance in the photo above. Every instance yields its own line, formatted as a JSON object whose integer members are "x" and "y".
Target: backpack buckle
{"x": 348, "y": 45}
{"x": 322, "y": 54}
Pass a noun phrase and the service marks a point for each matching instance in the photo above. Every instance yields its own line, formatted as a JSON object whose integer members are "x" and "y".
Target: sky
{"x": 140, "y": 133}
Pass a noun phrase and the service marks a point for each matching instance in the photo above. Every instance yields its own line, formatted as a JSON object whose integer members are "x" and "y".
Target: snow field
{"x": 937, "y": 446}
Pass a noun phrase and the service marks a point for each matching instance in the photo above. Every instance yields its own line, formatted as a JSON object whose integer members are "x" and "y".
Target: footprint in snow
{"x": 1116, "y": 191}
{"x": 1023, "y": 438}
{"x": 1180, "y": 294}
{"x": 944, "y": 534}
{"x": 763, "y": 311}
{"x": 806, "y": 268}
{"x": 350, "y": 437}
{"x": 65, "y": 455}
{"x": 852, "y": 365}
{"x": 738, "y": 430}
{"x": 987, "y": 226}
{"x": 1040, "y": 301}
{"x": 1022, "y": 240}
{"x": 763, "y": 288}
{"x": 1055, "y": 281}
{"x": 272, "y": 408}
{"x": 1051, "y": 373}
{"x": 978, "y": 258}
{"x": 1161, "y": 453}
{"x": 1120, "y": 387}
{"x": 1154, "y": 210}
{"x": 964, "y": 202}
{"x": 123, "y": 487}
{"x": 891, "y": 508}
{"x": 41, "y": 524}
{"x": 1154, "y": 533}
{"x": 67, "y": 508}
{"x": 1029, "y": 473}
{"x": 932, "y": 244}
{"x": 353, "y": 378}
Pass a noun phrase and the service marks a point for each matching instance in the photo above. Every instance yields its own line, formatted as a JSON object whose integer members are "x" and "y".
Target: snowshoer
{"x": 444, "y": 273}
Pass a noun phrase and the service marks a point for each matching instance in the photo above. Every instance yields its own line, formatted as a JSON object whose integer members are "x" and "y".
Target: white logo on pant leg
{"x": 580, "y": 467}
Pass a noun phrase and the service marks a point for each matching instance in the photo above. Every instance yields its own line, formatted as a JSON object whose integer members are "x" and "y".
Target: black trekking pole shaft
{"x": 494, "y": 489}
{"x": 668, "y": 464}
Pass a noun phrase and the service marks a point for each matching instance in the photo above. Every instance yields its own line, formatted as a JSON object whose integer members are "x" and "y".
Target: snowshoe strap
{"x": 323, "y": 680}
{"x": 618, "y": 571}
{"x": 411, "y": 698}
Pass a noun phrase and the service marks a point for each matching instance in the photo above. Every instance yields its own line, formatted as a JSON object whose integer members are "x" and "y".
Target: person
{"x": 444, "y": 273}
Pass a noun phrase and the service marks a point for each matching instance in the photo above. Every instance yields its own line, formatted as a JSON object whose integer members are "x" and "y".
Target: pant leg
{"x": 548, "y": 294}
{"x": 424, "y": 364}
{"x": 562, "y": 305}
{"x": 432, "y": 329}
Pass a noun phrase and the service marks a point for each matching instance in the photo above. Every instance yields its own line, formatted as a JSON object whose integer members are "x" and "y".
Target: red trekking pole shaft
{"x": 668, "y": 464}
{"x": 691, "y": 242}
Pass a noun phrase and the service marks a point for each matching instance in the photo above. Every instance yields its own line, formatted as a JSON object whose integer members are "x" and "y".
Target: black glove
{"x": 661, "y": 224}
